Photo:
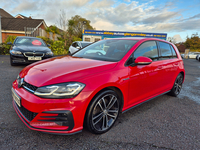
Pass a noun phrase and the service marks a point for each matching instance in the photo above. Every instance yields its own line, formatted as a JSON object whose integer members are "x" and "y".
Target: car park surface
{"x": 163, "y": 123}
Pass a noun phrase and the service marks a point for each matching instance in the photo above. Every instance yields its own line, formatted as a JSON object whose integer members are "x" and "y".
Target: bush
{"x": 58, "y": 48}
{"x": 46, "y": 40}
{"x": 4, "y": 48}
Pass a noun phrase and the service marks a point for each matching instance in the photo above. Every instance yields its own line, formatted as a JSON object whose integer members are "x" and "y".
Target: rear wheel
{"x": 103, "y": 112}
{"x": 177, "y": 86}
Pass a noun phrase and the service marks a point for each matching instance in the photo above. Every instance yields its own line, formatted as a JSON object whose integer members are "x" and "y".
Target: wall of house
{"x": 5, "y": 35}
{"x": 42, "y": 26}
{"x": 19, "y": 17}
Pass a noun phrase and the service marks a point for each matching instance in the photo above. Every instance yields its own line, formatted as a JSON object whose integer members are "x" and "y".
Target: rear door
{"x": 170, "y": 64}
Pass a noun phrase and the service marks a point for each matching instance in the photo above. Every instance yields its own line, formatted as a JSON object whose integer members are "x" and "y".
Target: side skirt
{"x": 145, "y": 101}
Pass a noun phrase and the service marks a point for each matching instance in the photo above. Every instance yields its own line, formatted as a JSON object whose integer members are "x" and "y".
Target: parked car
{"x": 198, "y": 57}
{"x": 77, "y": 45}
{"x": 26, "y": 50}
{"x": 59, "y": 95}
{"x": 190, "y": 55}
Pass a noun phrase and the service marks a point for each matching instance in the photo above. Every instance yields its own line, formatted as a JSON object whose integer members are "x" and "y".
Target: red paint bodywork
{"x": 137, "y": 84}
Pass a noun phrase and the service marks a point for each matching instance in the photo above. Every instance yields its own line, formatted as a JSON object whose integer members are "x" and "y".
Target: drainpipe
{"x": 0, "y": 31}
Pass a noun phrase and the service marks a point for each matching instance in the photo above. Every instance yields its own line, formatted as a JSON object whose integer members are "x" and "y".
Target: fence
{"x": 33, "y": 32}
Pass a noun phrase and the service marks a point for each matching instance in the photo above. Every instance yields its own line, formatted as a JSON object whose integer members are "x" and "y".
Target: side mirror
{"x": 78, "y": 47}
{"x": 10, "y": 43}
{"x": 48, "y": 45}
{"x": 141, "y": 60}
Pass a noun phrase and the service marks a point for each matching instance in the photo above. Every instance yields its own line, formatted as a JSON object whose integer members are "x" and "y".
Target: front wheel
{"x": 103, "y": 112}
{"x": 11, "y": 62}
{"x": 177, "y": 85}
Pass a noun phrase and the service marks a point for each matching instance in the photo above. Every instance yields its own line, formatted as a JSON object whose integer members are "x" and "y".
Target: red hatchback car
{"x": 92, "y": 87}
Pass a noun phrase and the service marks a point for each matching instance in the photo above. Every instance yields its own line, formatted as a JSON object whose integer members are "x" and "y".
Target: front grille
{"x": 29, "y": 87}
{"x": 33, "y": 54}
{"x": 27, "y": 114}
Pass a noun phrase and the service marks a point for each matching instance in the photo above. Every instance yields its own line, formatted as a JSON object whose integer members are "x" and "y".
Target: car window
{"x": 173, "y": 52}
{"x": 108, "y": 50}
{"x": 165, "y": 49}
{"x": 85, "y": 44}
{"x": 74, "y": 44}
{"x": 148, "y": 49}
{"x": 29, "y": 41}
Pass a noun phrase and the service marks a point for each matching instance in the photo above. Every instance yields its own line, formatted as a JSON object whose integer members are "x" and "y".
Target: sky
{"x": 177, "y": 18}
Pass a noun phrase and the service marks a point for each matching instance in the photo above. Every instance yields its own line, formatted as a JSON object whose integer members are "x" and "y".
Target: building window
{"x": 96, "y": 39}
{"x": 87, "y": 39}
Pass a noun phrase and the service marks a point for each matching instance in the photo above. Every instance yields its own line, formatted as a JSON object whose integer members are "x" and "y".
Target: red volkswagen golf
{"x": 92, "y": 87}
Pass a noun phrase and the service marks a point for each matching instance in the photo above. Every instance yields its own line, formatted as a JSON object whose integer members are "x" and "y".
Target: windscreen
{"x": 107, "y": 50}
{"x": 29, "y": 42}
{"x": 85, "y": 44}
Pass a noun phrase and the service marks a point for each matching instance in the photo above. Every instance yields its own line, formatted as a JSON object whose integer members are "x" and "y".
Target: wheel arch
{"x": 114, "y": 88}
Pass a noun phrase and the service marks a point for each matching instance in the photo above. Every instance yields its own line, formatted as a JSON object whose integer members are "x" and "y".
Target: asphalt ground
{"x": 163, "y": 123}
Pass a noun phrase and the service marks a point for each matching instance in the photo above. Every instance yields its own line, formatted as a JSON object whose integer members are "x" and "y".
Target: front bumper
{"x": 21, "y": 59}
{"x": 55, "y": 116}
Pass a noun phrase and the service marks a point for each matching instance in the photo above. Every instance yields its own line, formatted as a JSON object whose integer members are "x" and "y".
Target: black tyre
{"x": 69, "y": 53}
{"x": 103, "y": 112}
{"x": 177, "y": 86}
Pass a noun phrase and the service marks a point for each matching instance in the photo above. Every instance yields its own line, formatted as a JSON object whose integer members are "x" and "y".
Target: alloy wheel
{"x": 105, "y": 112}
{"x": 178, "y": 84}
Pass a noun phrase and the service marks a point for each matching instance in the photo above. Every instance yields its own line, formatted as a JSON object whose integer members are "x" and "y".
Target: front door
{"x": 145, "y": 80}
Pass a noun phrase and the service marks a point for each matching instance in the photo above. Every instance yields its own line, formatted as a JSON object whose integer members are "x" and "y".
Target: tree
{"x": 77, "y": 24}
{"x": 48, "y": 30}
{"x": 72, "y": 28}
{"x": 54, "y": 30}
{"x": 193, "y": 42}
{"x": 171, "y": 39}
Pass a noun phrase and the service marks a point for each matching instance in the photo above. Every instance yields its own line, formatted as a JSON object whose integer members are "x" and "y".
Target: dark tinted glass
{"x": 29, "y": 41}
{"x": 147, "y": 49}
{"x": 74, "y": 44}
{"x": 166, "y": 52}
{"x": 173, "y": 52}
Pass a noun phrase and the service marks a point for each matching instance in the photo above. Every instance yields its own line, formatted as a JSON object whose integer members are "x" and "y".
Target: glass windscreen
{"x": 29, "y": 42}
{"x": 107, "y": 50}
{"x": 85, "y": 44}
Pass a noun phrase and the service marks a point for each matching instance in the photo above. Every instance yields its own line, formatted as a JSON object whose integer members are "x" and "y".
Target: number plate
{"x": 16, "y": 98}
{"x": 34, "y": 58}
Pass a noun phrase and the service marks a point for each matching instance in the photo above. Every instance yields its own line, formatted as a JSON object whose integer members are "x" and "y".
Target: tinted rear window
{"x": 173, "y": 52}
{"x": 165, "y": 50}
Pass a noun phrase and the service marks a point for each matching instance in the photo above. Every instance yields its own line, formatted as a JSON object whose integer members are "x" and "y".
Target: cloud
{"x": 177, "y": 38}
{"x": 163, "y": 17}
{"x": 102, "y": 3}
{"x": 123, "y": 15}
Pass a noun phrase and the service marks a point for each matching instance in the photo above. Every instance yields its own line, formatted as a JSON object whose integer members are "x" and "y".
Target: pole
{"x": 0, "y": 31}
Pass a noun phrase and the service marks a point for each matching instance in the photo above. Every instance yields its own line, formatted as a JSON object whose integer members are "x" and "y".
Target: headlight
{"x": 16, "y": 52}
{"x": 49, "y": 53}
{"x": 63, "y": 90}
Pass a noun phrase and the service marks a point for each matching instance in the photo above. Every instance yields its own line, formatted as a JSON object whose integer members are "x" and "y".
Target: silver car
{"x": 77, "y": 45}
